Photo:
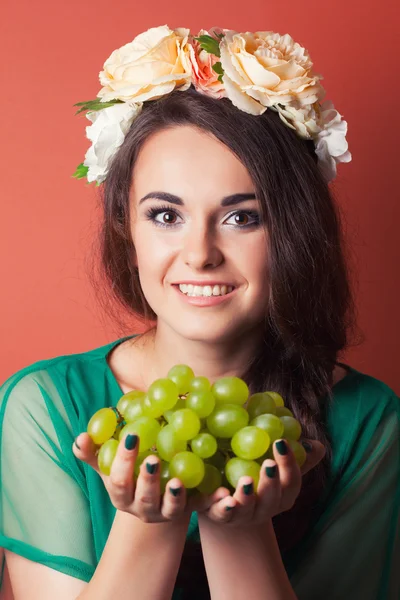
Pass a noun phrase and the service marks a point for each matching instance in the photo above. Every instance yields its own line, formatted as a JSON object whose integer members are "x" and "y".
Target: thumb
{"x": 315, "y": 453}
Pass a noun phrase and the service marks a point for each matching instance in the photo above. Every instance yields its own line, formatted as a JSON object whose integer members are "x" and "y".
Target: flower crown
{"x": 255, "y": 71}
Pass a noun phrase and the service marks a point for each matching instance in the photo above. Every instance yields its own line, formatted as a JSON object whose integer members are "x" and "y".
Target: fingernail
{"x": 175, "y": 491}
{"x": 76, "y": 443}
{"x": 307, "y": 446}
{"x": 248, "y": 489}
{"x": 228, "y": 507}
{"x": 151, "y": 468}
{"x": 281, "y": 447}
{"x": 130, "y": 441}
{"x": 270, "y": 471}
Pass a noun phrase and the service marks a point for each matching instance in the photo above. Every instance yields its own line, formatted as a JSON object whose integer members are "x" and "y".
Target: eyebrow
{"x": 226, "y": 201}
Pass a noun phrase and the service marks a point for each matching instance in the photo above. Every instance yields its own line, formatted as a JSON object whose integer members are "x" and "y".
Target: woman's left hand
{"x": 275, "y": 494}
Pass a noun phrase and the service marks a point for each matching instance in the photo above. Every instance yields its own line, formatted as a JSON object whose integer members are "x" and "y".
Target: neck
{"x": 228, "y": 358}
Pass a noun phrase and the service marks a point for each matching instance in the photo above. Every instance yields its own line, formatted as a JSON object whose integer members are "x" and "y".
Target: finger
{"x": 85, "y": 449}
{"x": 289, "y": 474}
{"x": 245, "y": 495}
{"x": 202, "y": 502}
{"x": 120, "y": 483}
{"x": 223, "y": 510}
{"x": 315, "y": 453}
{"x": 269, "y": 490}
{"x": 174, "y": 499}
{"x": 147, "y": 502}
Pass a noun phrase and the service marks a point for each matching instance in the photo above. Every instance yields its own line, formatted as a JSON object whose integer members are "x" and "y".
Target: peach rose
{"x": 264, "y": 68}
{"x": 204, "y": 78}
{"x": 153, "y": 64}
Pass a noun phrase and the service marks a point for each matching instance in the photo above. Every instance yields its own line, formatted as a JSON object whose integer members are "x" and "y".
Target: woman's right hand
{"x": 141, "y": 496}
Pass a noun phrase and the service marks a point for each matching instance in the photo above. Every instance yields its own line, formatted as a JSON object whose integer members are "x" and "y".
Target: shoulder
{"x": 363, "y": 419}
{"x": 61, "y": 384}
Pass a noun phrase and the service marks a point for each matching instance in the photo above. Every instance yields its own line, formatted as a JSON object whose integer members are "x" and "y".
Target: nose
{"x": 200, "y": 249}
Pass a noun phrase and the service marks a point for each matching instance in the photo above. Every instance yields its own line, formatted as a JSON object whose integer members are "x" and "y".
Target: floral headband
{"x": 255, "y": 71}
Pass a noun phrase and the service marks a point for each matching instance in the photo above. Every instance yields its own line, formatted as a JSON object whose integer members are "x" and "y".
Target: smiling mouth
{"x": 205, "y": 291}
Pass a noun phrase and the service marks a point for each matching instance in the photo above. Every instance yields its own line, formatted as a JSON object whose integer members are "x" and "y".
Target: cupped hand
{"x": 278, "y": 488}
{"x": 141, "y": 496}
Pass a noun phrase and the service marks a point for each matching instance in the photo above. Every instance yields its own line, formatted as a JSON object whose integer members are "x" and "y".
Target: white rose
{"x": 331, "y": 145}
{"x": 110, "y": 125}
{"x": 149, "y": 67}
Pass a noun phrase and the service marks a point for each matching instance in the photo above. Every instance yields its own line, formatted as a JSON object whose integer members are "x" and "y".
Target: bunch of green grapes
{"x": 207, "y": 435}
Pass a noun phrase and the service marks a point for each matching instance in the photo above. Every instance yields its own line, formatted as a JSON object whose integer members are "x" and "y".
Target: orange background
{"x": 52, "y": 53}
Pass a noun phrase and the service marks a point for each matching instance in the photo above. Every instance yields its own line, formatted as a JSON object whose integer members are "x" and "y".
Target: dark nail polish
{"x": 175, "y": 491}
{"x": 270, "y": 471}
{"x": 76, "y": 443}
{"x": 307, "y": 446}
{"x": 151, "y": 468}
{"x": 228, "y": 507}
{"x": 281, "y": 447}
{"x": 130, "y": 441}
{"x": 248, "y": 489}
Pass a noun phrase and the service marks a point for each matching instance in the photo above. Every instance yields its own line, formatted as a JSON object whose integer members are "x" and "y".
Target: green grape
{"x": 164, "y": 475}
{"x": 277, "y": 398}
{"x": 230, "y": 390}
{"x": 126, "y": 398}
{"x": 146, "y": 428}
{"x": 200, "y": 384}
{"x": 271, "y": 424}
{"x": 134, "y": 408}
{"x": 168, "y": 413}
{"x": 299, "y": 452}
{"x": 106, "y": 455}
{"x": 260, "y": 404}
{"x": 292, "y": 428}
{"x": 163, "y": 394}
{"x": 187, "y": 467}
{"x": 182, "y": 376}
{"x": 202, "y": 403}
{"x": 168, "y": 444}
{"x": 204, "y": 445}
{"x": 282, "y": 411}
{"x": 140, "y": 458}
{"x": 238, "y": 467}
{"x": 211, "y": 481}
{"x": 102, "y": 425}
{"x": 150, "y": 410}
{"x": 227, "y": 419}
{"x": 186, "y": 424}
{"x": 250, "y": 442}
{"x": 218, "y": 460}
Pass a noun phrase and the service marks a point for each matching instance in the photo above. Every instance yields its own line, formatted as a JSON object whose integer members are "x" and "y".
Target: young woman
{"x": 200, "y": 193}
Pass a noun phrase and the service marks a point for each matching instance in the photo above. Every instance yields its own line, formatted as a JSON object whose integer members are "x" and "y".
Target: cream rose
{"x": 204, "y": 78}
{"x": 153, "y": 64}
{"x": 264, "y": 68}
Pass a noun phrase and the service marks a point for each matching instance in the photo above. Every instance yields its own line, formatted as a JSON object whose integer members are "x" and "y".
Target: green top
{"x": 55, "y": 510}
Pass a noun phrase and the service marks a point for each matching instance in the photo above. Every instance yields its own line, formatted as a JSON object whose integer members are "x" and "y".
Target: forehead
{"x": 185, "y": 160}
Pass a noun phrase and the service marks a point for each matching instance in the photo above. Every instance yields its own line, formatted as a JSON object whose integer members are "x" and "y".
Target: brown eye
{"x": 169, "y": 217}
{"x": 241, "y": 219}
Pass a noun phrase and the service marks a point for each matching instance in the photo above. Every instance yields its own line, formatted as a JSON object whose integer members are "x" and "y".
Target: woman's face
{"x": 197, "y": 237}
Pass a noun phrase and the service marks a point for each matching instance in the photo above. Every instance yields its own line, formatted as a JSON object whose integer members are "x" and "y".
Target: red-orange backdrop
{"x": 52, "y": 53}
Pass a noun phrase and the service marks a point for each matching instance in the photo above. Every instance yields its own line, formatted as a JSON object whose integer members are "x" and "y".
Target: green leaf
{"x": 95, "y": 105}
{"x": 218, "y": 68}
{"x": 81, "y": 171}
{"x": 209, "y": 44}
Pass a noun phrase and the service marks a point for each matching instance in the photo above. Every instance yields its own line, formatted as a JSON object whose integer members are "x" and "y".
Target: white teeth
{"x": 206, "y": 290}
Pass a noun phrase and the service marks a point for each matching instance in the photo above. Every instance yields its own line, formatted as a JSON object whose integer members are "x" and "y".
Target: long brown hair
{"x": 311, "y": 314}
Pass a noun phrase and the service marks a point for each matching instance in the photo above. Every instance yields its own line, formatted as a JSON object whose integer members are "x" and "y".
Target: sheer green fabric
{"x": 55, "y": 510}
